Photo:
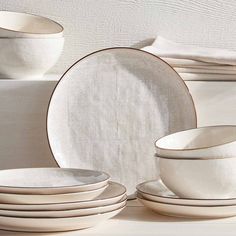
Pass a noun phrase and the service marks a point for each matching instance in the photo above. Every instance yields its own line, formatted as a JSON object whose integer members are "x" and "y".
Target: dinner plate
{"x": 155, "y": 190}
{"x": 67, "y": 213}
{"x": 51, "y": 180}
{"x": 110, "y": 106}
{"x": 111, "y": 195}
{"x": 54, "y": 224}
{"x": 190, "y": 211}
{"x": 14, "y": 198}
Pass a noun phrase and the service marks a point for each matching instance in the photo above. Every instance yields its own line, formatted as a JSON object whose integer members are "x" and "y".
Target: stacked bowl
{"x": 198, "y": 174}
{"x": 29, "y": 45}
{"x": 60, "y": 199}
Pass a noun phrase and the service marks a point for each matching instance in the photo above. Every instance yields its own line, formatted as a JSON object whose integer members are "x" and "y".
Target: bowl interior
{"x": 199, "y": 138}
{"x": 27, "y": 23}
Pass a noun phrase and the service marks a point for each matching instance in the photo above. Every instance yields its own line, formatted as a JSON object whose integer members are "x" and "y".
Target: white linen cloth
{"x": 194, "y": 62}
{"x": 167, "y": 48}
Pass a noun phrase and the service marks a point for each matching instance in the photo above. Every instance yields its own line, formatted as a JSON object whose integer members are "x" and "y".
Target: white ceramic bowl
{"x": 16, "y": 24}
{"x": 24, "y": 58}
{"x": 209, "y": 178}
{"x": 211, "y": 141}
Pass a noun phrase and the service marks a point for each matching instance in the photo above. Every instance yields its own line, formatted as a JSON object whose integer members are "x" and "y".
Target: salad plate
{"x": 65, "y": 213}
{"x": 15, "y": 198}
{"x": 111, "y": 195}
{"x": 200, "y": 212}
{"x": 54, "y": 224}
{"x": 51, "y": 180}
{"x": 109, "y": 107}
{"x": 155, "y": 190}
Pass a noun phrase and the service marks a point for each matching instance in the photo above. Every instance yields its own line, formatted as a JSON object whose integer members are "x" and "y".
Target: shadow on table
{"x": 133, "y": 213}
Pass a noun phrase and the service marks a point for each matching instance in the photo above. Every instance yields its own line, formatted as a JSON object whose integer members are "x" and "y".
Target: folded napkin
{"x": 166, "y": 48}
{"x": 187, "y": 63}
{"x": 196, "y": 63}
{"x": 205, "y": 71}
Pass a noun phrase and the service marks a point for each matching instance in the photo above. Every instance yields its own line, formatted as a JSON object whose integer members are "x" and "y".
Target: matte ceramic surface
{"x": 51, "y": 180}
{"x": 16, "y": 24}
{"x": 67, "y": 213}
{"x": 203, "y": 179}
{"x": 108, "y": 108}
{"x": 54, "y": 224}
{"x": 190, "y": 211}
{"x": 13, "y": 198}
{"x": 111, "y": 195}
{"x": 156, "y": 191}
{"x": 204, "y": 142}
{"x": 25, "y": 58}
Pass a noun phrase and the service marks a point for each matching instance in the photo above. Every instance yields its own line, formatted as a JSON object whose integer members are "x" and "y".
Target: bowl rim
{"x": 193, "y": 158}
{"x": 35, "y": 16}
{"x": 197, "y": 148}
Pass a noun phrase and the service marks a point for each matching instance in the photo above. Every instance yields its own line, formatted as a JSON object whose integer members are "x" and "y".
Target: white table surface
{"x": 137, "y": 220}
{"x": 23, "y": 105}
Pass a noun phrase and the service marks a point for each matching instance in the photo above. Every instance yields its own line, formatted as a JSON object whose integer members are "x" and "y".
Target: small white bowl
{"x": 199, "y": 163}
{"x": 25, "y": 58}
{"x": 208, "y": 178}
{"x": 211, "y": 141}
{"x": 16, "y": 24}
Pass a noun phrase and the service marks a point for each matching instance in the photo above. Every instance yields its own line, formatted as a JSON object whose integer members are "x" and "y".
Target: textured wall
{"x": 95, "y": 24}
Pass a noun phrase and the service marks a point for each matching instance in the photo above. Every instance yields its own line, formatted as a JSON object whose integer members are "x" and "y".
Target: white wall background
{"x": 94, "y": 24}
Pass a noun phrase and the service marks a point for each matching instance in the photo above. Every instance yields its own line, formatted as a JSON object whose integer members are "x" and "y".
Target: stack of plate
{"x": 60, "y": 199}
{"x": 198, "y": 166}
{"x": 157, "y": 197}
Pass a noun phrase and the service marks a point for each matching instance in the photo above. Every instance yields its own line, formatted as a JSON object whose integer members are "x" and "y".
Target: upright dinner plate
{"x": 51, "y": 180}
{"x": 54, "y": 224}
{"x": 110, "y": 106}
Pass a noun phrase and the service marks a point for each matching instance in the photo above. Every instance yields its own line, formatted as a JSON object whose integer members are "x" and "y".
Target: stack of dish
{"x": 198, "y": 170}
{"x": 60, "y": 199}
{"x": 29, "y": 45}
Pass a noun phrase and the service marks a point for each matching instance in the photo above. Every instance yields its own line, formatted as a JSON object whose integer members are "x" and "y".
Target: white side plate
{"x": 13, "y": 198}
{"x": 54, "y": 224}
{"x": 155, "y": 190}
{"x": 190, "y": 211}
{"x": 112, "y": 194}
{"x": 68, "y": 213}
{"x": 51, "y": 180}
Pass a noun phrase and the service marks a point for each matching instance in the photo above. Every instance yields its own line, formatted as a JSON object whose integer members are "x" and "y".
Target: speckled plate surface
{"x": 110, "y": 106}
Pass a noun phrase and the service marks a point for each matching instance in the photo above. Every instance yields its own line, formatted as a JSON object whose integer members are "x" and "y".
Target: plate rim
{"x": 178, "y": 198}
{"x": 58, "y": 187}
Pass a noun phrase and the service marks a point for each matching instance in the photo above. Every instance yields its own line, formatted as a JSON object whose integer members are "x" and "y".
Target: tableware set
{"x": 61, "y": 199}
{"x": 29, "y": 45}
{"x": 104, "y": 113}
{"x": 197, "y": 167}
